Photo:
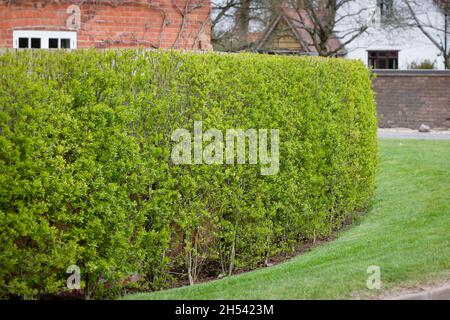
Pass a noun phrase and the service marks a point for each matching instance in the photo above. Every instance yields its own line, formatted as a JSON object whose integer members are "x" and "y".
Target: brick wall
{"x": 113, "y": 23}
{"x": 410, "y": 98}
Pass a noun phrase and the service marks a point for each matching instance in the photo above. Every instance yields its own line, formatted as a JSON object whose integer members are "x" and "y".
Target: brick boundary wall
{"x": 410, "y": 98}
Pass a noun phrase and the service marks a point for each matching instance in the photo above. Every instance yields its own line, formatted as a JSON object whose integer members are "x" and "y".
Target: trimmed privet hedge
{"x": 86, "y": 176}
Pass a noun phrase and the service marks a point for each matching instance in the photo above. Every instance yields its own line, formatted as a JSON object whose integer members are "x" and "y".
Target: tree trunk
{"x": 243, "y": 22}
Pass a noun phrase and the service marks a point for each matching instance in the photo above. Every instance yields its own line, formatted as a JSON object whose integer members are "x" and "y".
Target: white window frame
{"x": 45, "y": 36}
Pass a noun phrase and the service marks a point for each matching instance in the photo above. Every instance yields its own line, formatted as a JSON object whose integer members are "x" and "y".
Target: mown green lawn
{"x": 406, "y": 234}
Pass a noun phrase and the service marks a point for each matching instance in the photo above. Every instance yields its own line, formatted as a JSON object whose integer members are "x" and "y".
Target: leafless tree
{"x": 436, "y": 30}
{"x": 326, "y": 21}
{"x": 221, "y": 10}
{"x": 232, "y": 20}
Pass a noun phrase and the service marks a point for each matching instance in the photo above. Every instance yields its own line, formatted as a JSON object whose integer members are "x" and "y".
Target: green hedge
{"x": 86, "y": 176}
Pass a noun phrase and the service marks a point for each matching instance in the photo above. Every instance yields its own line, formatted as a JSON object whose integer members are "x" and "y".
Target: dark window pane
{"x": 391, "y": 54}
{"x": 65, "y": 43}
{"x": 35, "y": 43}
{"x": 383, "y": 59}
{"x": 386, "y": 7}
{"x": 392, "y": 64}
{"x": 23, "y": 43}
{"x": 53, "y": 43}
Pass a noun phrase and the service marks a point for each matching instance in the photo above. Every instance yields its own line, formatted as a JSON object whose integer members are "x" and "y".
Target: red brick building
{"x": 178, "y": 24}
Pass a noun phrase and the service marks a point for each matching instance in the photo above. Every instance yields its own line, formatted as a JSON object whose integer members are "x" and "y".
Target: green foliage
{"x": 422, "y": 65}
{"x": 86, "y": 176}
{"x": 407, "y": 238}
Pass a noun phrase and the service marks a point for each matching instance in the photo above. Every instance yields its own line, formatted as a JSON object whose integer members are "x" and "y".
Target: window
{"x": 53, "y": 43}
{"x": 23, "y": 43}
{"x": 35, "y": 43}
{"x": 386, "y": 8}
{"x": 34, "y": 39}
{"x": 383, "y": 59}
{"x": 65, "y": 44}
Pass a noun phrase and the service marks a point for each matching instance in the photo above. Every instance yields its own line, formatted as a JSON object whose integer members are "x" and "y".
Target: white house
{"x": 390, "y": 42}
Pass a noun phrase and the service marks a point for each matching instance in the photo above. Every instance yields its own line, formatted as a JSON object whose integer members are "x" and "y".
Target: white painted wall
{"x": 412, "y": 44}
